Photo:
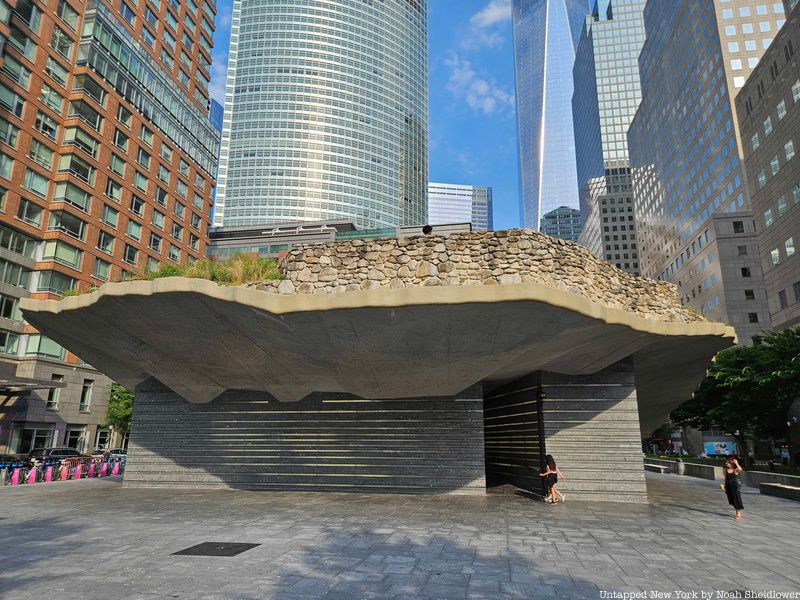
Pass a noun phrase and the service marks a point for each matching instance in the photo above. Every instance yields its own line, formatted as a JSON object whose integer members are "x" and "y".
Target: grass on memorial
{"x": 240, "y": 269}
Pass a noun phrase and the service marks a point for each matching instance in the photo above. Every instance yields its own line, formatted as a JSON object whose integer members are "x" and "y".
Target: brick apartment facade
{"x": 107, "y": 162}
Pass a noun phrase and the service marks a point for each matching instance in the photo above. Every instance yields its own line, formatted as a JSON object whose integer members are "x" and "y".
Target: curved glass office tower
{"x": 546, "y": 33}
{"x": 326, "y": 114}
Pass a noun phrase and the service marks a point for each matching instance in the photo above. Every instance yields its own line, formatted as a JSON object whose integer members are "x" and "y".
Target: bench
{"x": 657, "y": 468}
{"x": 788, "y": 492}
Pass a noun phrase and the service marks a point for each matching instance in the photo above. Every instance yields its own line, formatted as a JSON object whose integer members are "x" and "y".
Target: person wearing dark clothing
{"x": 732, "y": 485}
{"x": 552, "y": 474}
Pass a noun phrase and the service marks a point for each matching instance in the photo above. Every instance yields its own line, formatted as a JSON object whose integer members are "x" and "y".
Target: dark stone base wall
{"x": 591, "y": 427}
{"x": 589, "y": 423}
{"x": 330, "y": 442}
{"x": 513, "y": 435}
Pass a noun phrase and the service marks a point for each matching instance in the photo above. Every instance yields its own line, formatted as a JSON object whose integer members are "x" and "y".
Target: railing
{"x": 19, "y": 473}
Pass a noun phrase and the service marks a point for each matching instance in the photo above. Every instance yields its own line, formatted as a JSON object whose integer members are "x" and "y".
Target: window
{"x": 796, "y": 289}
{"x": 134, "y": 230}
{"x": 61, "y": 220}
{"x": 196, "y": 221}
{"x": 137, "y": 206}
{"x": 752, "y": 317}
{"x": 746, "y": 272}
{"x": 8, "y": 133}
{"x": 46, "y": 125}
{"x": 130, "y": 255}
{"x": 68, "y": 14}
{"x": 174, "y": 253}
{"x": 179, "y": 210}
{"x": 749, "y": 295}
{"x": 86, "y": 113}
{"x": 17, "y": 242}
{"x": 14, "y": 69}
{"x": 158, "y": 219}
{"x": 124, "y": 116}
{"x": 182, "y": 189}
{"x": 62, "y": 253}
{"x": 782, "y": 206}
{"x": 177, "y": 231}
{"x": 161, "y": 196}
{"x": 69, "y": 192}
{"x": 40, "y": 345}
{"x": 146, "y": 136}
{"x": 29, "y": 212}
{"x": 53, "y": 394}
{"x": 163, "y": 174}
{"x": 183, "y": 167}
{"x": 105, "y": 242}
{"x": 61, "y": 42}
{"x": 29, "y": 13}
{"x": 775, "y": 255}
{"x": 117, "y": 165}
{"x": 774, "y": 165}
{"x": 754, "y": 142}
{"x": 140, "y": 181}
{"x": 767, "y": 126}
{"x": 782, "y": 303}
{"x": 86, "y": 393}
{"x": 155, "y": 242}
{"x": 166, "y": 152}
{"x": 36, "y": 183}
{"x": 41, "y": 154}
{"x": 143, "y": 158}
{"x": 150, "y": 16}
{"x": 199, "y": 181}
{"x": 82, "y": 140}
{"x": 741, "y": 250}
{"x": 738, "y": 227}
{"x": 796, "y": 90}
{"x": 789, "y": 246}
{"x": 788, "y": 148}
{"x": 166, "y": 58}
{"x": 6, "y": 164}
{"x": 128, "y": 14}
{"x": 51, "y": 98}
{"x": 781, "y": 109}
{"x": 113, "y": 190}
{"x": 109, "y": 216}
{"x": 762, "y": 179}
{"x": 120, "y": 140}
{"x": 9, "y": 342}
{"x": 194, "y": 242}
{"x": 768, "y": 219}
{"x": 152, "y": 265}
{"x": 22, "y": 42}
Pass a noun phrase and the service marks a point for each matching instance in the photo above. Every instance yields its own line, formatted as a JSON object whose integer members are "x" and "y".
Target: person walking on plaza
{"x": 552, "y": 474}
{"x": 732, "y": 485}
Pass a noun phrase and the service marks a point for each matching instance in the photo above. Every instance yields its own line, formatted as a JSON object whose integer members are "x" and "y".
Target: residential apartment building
{"x": 563, "y": 222}
{"x": 768, "y": 107}
{"x": 607, "y": 94}
{"x": 546, "y": 33}
{"x": 326, "y": 114}
{"x": 454, "y": 203}
{"x": 107, "y": 168}
{"x": 692, "y": 206}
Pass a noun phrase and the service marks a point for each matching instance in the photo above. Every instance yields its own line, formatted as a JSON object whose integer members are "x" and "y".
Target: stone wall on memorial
{"x": 474, "y": 258}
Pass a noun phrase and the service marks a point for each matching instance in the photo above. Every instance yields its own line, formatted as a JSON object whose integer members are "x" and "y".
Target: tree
{"x": 748, "y": 389}
{"x": 120, "y": 408}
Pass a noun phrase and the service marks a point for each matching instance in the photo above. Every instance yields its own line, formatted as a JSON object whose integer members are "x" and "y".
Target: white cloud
{"x": 495, "y": 12}
{"x": 480, "y": 94}
{"x": 219, "y": 75}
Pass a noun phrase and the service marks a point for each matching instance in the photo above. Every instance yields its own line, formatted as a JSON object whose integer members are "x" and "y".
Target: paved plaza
{"x": 97, "y": 539}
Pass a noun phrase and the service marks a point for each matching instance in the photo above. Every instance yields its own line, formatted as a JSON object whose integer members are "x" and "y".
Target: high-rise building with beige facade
{"x": 107, "y": 168}
{"x": 692, "y": 206}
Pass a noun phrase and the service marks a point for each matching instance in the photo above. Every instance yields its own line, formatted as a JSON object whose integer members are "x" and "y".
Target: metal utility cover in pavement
{"x": 216, "y": 549}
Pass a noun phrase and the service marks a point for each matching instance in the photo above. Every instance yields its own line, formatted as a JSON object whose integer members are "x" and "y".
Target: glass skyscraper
{"x": 607, "y": 93}
{"x": 326, "y": 114}
{"x": 546, "y": 33}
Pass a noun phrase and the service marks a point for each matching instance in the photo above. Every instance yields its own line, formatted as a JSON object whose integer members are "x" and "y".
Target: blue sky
{"x": 473, "y": 135}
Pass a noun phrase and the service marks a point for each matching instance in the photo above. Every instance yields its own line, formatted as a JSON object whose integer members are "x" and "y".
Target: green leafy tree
{"x": 120, "y": 408}
{"x": 748, "y": 389}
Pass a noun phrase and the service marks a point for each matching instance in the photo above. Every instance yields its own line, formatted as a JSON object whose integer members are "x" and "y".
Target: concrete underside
{"x": 200, "y": 340}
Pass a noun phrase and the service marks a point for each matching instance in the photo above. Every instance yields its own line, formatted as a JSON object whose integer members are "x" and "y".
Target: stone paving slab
{"x": 97, "y": 539}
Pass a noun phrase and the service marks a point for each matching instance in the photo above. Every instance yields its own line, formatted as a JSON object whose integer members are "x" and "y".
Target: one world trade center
{"x": 546, "y": 34}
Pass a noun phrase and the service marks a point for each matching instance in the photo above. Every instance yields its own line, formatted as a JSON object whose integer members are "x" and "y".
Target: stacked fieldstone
{"x": 473, "y": 258}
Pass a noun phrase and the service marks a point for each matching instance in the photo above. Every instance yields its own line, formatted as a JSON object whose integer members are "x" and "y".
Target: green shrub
{"x": 239, "y": 269}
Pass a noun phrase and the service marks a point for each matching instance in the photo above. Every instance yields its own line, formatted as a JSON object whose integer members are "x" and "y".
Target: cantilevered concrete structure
{"x": 415, "y": 364}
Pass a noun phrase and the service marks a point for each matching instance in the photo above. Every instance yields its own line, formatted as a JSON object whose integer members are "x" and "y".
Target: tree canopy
{"x": 748, "y": 389}
{"x": 120, "y": 407}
